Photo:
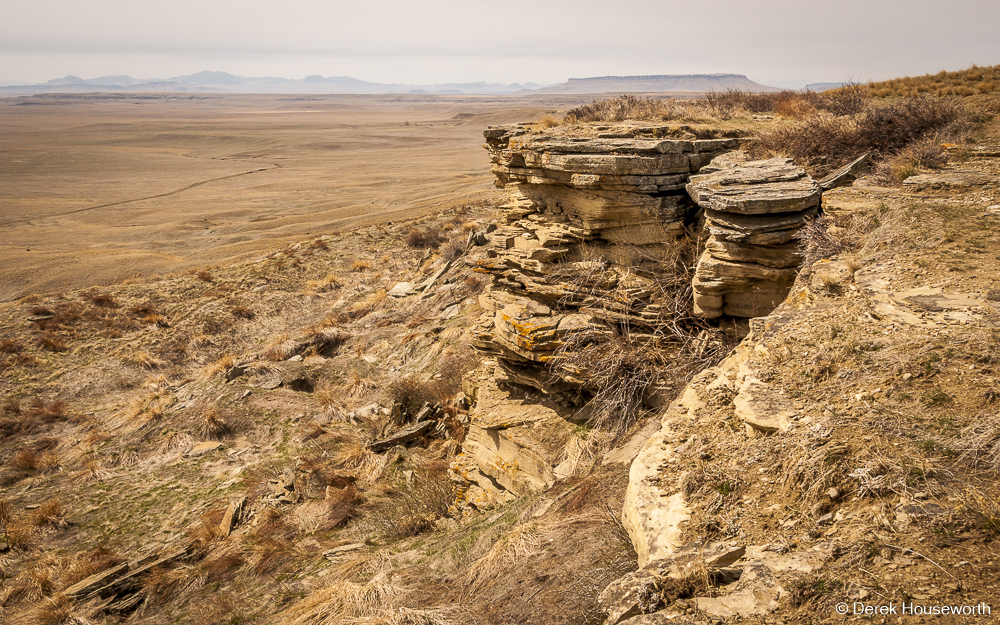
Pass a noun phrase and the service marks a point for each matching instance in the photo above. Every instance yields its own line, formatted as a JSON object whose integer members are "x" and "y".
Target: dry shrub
{"x": 453, "y": 250}
{"x": 50, "y": 514}
{"x": 205, "y": 275}
{"x": 618, "y": 363}
{"x": 21, "y": 535}
{"x": 415, "y": 507}
{"x": 241, "y": 312}
{"x": 213, "y": 427}
{"x": 850, "y": 99}
{"x": 822, "y": 143}
{"x": 548, "y": 121}
{"x": 223, "y": 364}
{"x": 207, "y": 529}
{"x": 424, "y": 238}
{"x": 50, "y": 341}
{"x": 337, "y": 509}
{"x": 265, "y": 554}
{"x": 86, "y": 563}
{"x": 979, "y": 443}
{"x": 360, "y": 265}
{"x": 522, "y": 541}
{"x": 868, "y": 234}
{"x": 927, "y": 153}
{"x": 983, "y": 507}
{"x": 786, "y": 103}
{"x": 9, "y": 346}
{"x": 143, "y": 360}
{"x": 616, "y": 110}
{"x": 104, "y": 300}
{"x": 161, "y": 585}
{"x": 33, "y": 419}
{"x": 25, "y": 460}
{"x": 411, "y": 393}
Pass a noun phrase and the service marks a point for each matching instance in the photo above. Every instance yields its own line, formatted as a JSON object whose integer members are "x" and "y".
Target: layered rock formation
{"x": 582, "y": 214}
{"x": 753, "y": 211}
{"x": 583, "y": 221}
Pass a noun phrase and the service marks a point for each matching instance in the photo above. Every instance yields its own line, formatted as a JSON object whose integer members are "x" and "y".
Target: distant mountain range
{"x": 222, "y": 82}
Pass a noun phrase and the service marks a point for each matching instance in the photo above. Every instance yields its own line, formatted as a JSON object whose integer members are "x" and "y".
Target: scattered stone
{"x": 402, "y": 289}
{"x": 232, "y": 516}
{"x": 946, "y": 180}
{"x": 403, "y": 436}
{"x": 847, "y": 174}
{"x": 336, "y": 552}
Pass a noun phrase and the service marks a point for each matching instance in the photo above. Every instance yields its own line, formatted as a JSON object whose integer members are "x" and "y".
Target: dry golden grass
{"x": 522, "y": 541}
{"x": 360, "y": 265}
{"x": 220, "y": 366}
{"x": 143, "y": 359}
{"x": 343, "y": 602}
{"x": 972, "y": 81}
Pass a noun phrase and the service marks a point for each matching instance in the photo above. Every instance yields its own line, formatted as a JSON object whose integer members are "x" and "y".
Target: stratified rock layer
{"x": 583, "y": 216}
{"x": 582, "y": 212}
{"x": 753, "y": 211}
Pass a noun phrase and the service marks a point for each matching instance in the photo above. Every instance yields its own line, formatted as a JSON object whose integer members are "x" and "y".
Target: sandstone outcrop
{"x": 583, "y": 216}
{"x": 753, "y": 211}
{"x": 571, "y": 260}
{"x": 511, "y": 446}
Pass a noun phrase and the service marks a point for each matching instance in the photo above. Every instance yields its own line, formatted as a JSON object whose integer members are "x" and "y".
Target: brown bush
{"x": 8, "y": 346}
{"x": 50, "y": 341}
{"x": 241, "y": 312}
{"x": 412, "y": 393}
{"x": 823, "y": 143}
{"x": 926, "y": 153}
{"x": 205, "y": 276}
{"x": 786, "y": 103}
{"x": 617, "y": 109}
{"x": 213, "y": 427}
{"x": 33, "y": 419}
{"x": 424, "y": 238}
{"x": 50, "y": 514}
{"x": 104, "y": 300}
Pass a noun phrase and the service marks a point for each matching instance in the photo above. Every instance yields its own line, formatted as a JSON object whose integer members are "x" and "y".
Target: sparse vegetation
{"x": 425, "y": 238}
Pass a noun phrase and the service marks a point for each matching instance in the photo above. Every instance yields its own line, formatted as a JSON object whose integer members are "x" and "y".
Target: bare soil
{"x": 105, "y": 187}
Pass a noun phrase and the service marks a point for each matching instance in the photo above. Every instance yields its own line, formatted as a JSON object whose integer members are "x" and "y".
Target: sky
{"x": 784, "y": 43}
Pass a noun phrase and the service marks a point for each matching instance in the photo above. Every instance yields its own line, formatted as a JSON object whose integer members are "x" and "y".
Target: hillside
{"x": 661, "y": 382}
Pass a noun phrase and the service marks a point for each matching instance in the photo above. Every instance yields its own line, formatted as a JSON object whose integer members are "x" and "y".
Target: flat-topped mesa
{"x": 581, "y": 214}
{"x": 753, "y": 212}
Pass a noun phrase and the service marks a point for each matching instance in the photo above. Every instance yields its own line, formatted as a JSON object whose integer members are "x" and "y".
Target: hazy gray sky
{"x": 772, "y": 41}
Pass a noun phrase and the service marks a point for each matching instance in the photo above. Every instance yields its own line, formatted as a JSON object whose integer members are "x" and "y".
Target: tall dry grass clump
{"x": 630, "y": 107}
{"x": 821, "y": 143}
